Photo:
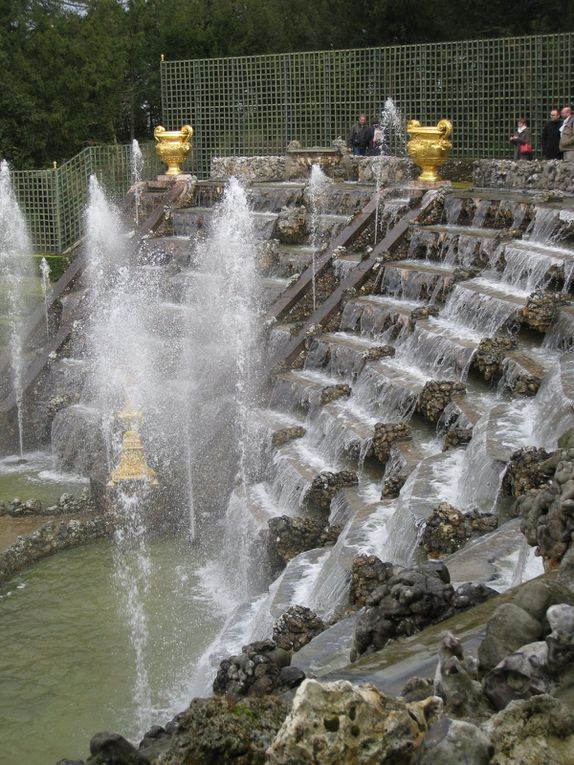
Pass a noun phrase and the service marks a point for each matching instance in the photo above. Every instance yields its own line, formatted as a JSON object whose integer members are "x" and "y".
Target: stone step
{"x": 494, "y": 288}
{"x": 377, "y": 315}
{"x": 346, "y": 198}
{"x": 339, "y": 198}
{"x": 344, "y": 264}
{"x": 439, "y": 348}
{"x": 344, "y": 354}
{"x": 456, "y": 245}
{"x": 416, "y": 280}
{"x": 528, "y": 266}
{"x": 462, "y": 412}
{"x": 168, "y": 249}
{"x": 302, "y": 391}
{"x": 403, "y": 459}
{"x": 501, "y": 559}
{"x": 191, "y": 221}
{"x": 321, "y": 576}
{"x": 346, "y": 431}
{"x": 522, "y": 374}
{"x": 271, "y": 197}
{"x": 561, "y": 335}
{"x": 484, "y": 305}
{"x": 279, "y": 337}
{"x": 291, "y": 259}
{"x": 295, "y": 466}
{"x": 271, "y": 288}
{"x": 389, "y": 389}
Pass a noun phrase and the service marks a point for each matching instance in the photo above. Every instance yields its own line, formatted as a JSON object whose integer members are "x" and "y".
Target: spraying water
{"x": 392, "y": 127}
{"x": 15, "y": 266}
{"x": 318, "y": 184}
{"x": 121, "y": 379}
{"x": 137, "y": 169}
{"x": 220, "y": 362}
{"x": 45, "y": 277}
{"x": 132, "y": 572}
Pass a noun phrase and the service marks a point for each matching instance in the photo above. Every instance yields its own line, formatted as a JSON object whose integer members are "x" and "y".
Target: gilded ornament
{"x": 133, "y": 466}
{"x": 173, "y": 146}
{"x": 429, "y": 147}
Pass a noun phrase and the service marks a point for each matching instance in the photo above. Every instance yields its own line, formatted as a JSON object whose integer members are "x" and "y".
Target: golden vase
{"x": 429, "y": 147}
{"x": 173, "y": 146}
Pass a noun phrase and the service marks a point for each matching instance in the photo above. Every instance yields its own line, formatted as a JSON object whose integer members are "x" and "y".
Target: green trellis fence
{"x": 53, "y": 201}
{"x": 254, "y": 105}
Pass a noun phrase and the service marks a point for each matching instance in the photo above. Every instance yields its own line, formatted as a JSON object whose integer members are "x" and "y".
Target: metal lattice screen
{"x": 53, "y": 201}
{"x": 255, "y": 105}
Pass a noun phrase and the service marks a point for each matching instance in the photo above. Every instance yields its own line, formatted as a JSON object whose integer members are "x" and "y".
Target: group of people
{"x": 557, "y": 139}
{"x": 365, "y": 140}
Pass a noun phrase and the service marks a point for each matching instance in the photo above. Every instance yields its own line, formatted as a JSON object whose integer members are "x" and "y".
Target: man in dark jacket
{"x": 360, "y": 136}
{"x": 550, "y": 138}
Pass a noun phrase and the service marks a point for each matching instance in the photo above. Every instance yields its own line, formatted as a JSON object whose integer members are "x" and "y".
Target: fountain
{"x": 318, "y": 183}
{"x": 393, "y": 138}
{"x": 45, "y": 276}
{"x": 393, "y": 127}
{"x": 136, "y": 177}
{"x": 15, "y": 269}
{"x": 346, "y": 437}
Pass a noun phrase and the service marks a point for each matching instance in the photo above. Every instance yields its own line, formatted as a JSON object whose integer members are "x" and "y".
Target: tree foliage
{"x": 77, "y": 72}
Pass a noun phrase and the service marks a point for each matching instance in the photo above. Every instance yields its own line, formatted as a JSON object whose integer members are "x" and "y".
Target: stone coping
{"x": 536, "y": 174}
{"x": 51, "y": 537}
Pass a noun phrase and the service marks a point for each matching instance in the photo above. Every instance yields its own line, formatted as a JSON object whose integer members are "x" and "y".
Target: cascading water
{"x": 137, "y": 162}
{"x": 221, "y": 360}
{"x": 45, "y": 277}
{"x": 15, "y": 267}
{"x": 318, "y": 183}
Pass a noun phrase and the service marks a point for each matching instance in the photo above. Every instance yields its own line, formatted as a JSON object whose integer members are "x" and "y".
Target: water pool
{"x": 67, "y": 665}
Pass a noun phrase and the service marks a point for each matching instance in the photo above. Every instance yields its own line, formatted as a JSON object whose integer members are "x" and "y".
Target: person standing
{"x": 375, "y": 146}
{"x": 550, "y": 138}
{"x": 359, "y": 136}
{"x": 566, "y": 144}
{"x": 521, "y": 140}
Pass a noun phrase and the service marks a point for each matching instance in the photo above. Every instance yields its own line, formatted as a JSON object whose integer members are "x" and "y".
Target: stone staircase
{"x": 433, "y": 351}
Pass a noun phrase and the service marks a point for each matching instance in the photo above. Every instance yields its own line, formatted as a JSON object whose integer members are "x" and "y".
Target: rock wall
{"x": 389, "y": 170}
{"x": 54, "y": 535}
{"x": 539, "y": 175}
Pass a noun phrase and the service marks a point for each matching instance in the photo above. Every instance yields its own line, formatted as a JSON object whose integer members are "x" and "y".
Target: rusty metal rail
{"x": 354, "y": 279}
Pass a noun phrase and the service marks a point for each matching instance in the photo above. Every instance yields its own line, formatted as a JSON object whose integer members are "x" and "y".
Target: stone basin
{"x": 298, "y": 160}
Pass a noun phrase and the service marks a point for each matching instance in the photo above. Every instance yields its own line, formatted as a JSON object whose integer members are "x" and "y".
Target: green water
{"x": 35, "y": 477}
{"x": 66, "y": 663}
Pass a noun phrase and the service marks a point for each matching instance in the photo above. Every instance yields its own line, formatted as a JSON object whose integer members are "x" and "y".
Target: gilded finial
{"x": 54, "y": 164}
{"x": 162, "y": 58}
{"x": 133, "y": 466}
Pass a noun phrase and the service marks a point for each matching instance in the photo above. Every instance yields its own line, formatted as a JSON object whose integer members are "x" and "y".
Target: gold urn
{"x": 429, "y": 147}
{"x": 173, "y": 146}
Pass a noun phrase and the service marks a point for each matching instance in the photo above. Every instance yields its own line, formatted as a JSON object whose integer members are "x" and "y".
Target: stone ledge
{"x": 535, "y": 175}
{"x": 50, "y": 538}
